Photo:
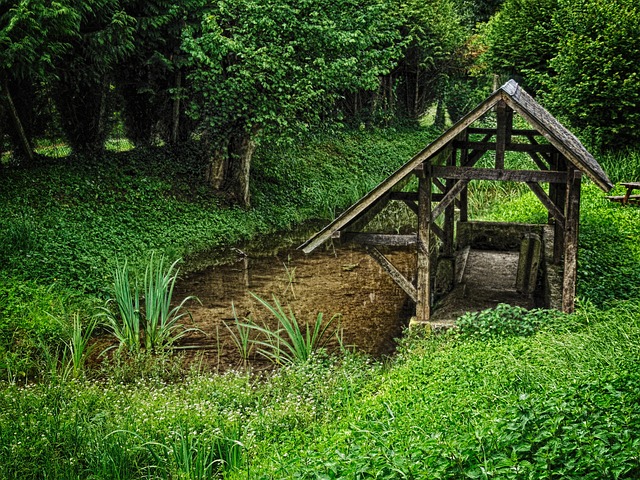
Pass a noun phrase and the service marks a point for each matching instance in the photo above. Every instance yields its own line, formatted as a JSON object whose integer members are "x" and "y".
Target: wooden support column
{"x": 464, "y": 193}
{"x": 559, "y": 198}
{"x": 449, "y": 213}
{"x": 503, "y": 132}
{"x": 423, "y": 302}
{"x": 572, "y": 215}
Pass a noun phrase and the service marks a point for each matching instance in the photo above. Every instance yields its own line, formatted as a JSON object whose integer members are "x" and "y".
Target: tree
{"x": 596, "y": 85}
{"x": 273, "y": 68}
{"x": 522, "y": 39}
{"x": 32, "y": 34}
{"x": 84, "y": 71}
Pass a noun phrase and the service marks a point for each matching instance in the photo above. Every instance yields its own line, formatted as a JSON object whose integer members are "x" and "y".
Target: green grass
{"x": 513, "y": 395}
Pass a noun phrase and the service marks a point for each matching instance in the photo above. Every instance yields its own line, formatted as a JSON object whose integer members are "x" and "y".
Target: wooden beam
{"x": 547, "y": 202}
{"x": 449, "y": 212}
{"x": 515, "y": 131}
{"x": 512, "y": 147}
{"x": 465, "y": 173}
{"x": 423, "y": 294}
{"x": 393, "y": 272}
{"x": 502, "y": 138}
{"x": 379, "y": 239}
{"x": 572, "y": 213}
{"x": 464, "y": 193}
{"x": 449, "y": 197}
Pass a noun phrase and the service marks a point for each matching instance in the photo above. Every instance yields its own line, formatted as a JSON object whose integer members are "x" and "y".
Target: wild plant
{"x": 241, "y": 336}
{"x": 197, "y": 456}
{"x": 144, "y": 315}
{"x": 125, "y": 325}
{"x": 77, "y": 346}
{"x": 161, "y": 325}
{"x": 291, "y": 344}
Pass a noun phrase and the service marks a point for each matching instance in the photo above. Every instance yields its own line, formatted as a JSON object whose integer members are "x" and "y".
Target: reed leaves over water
{"x": 144, "y": 316}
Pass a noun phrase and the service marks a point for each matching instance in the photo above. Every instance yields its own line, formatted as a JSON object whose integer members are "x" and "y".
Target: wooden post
{"x": 423, "y": 303}
{"x": 560, "y": 194}
{"x": 464, "y": 194}
{"x": 503, "y": 132}
{"x": 572, "y": 216}
{"x": 449, "y": 213}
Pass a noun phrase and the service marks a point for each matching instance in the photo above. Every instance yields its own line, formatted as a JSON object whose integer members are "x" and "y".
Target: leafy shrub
{"x": 503, "y": 321}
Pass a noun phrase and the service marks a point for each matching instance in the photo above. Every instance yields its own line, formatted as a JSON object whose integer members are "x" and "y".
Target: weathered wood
{"x": 546, "y": 201}
{"x": 624, "y": 199}
{"x": 449, "y": 213}
{"x": 514, "y": 132}
{"x": 379, "y": 239}
{"x": 465, "y": 173}
{"x": 559, "y": 199}
{"x": 423, "y": 295}
{"x": 413, "y": 196}
{"x": 512, "y": 147}
{"x": 572, "y": 215}
{"x": 393, "y": 272}
{"x": 464, "y": 193}
{"x": 501, "y": 133}
{"x": 449, "y": 197}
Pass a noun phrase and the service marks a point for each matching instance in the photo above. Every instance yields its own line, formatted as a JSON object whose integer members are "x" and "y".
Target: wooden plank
{"x": 465, "y": 173}
{"x": 572, "y": 214}
{"x": 546, "y": 201}
{"x": 433, "y": 149}
{"x": 449, "y": 197}
{"x": 413, "y": 196}
{"x": 393, "y": 272}
{"x": 492, "y": 131}
{"x": 512, "y": 147}
{"x": 381, "y": 239}
{"x": 423, "y": 294}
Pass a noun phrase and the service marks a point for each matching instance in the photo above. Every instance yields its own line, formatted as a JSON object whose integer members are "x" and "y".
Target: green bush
{"x": 503, "y": 321}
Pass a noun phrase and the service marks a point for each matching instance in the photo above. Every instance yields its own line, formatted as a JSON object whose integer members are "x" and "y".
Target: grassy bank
{"x": 553, "y": 397}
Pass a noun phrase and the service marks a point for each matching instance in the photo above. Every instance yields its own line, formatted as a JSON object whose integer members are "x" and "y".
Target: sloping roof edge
{"x": 556, "y": 133}
{"x": 378, "y": 192}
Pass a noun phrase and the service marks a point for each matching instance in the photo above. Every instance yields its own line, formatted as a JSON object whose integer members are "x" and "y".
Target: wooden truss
{"x": 444, "y": 170}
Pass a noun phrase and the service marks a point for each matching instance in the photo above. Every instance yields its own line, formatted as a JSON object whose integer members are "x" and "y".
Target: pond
{"x": 342, "y": 281}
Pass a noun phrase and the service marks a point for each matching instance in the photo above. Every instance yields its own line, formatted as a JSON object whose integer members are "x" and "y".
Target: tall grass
{"x": 289, "y": 343}
{"x": 145, "y": 316}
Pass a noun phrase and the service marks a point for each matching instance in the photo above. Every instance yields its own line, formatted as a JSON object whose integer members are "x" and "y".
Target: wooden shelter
{"x": 444, "y": 169}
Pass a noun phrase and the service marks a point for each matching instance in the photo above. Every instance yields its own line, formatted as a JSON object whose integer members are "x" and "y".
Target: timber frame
{"x": 444, "y": 169}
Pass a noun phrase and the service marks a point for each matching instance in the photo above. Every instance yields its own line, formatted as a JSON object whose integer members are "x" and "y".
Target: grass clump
{"x": 288, "y": 343}
{"x": 503, "y": 321}
{"x": 144, "y": 315}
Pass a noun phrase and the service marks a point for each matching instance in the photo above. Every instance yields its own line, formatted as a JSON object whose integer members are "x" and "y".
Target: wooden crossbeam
{"x": 512, "y": 147}
{"x": 449, "y": 197}
{"x": 466, "y": 173}
{"x": 393, "y": 272}
{"x": 547, "y": 202}
{"x": 515, "y": 131}
{"x": 381, "y": 239}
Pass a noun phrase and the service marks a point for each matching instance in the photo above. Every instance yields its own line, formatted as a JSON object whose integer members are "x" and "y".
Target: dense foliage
{"x": 580, "y": 57}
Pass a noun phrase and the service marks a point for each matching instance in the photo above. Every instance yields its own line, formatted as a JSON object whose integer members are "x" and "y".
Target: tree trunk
{"x": 216, "y": 165}
{"x": 24, "y": 141}
{"x": 241, "y": 148}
